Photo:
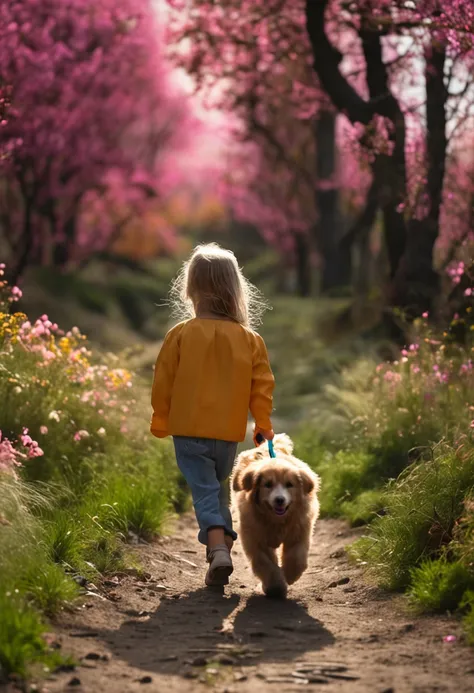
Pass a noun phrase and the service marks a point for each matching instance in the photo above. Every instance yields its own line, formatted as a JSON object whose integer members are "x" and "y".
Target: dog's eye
{"x": 289, "y": 484}
{"x": 268, "y": 484}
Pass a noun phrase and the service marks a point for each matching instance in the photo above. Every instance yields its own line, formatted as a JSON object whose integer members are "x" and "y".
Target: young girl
{"x": 210, "y": 371}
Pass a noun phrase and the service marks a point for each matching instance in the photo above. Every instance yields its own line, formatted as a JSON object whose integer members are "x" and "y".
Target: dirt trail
{"x": 170, "y": 634}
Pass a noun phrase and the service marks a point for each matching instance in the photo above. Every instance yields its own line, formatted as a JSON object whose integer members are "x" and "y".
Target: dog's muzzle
{"x": 280, "y": 500}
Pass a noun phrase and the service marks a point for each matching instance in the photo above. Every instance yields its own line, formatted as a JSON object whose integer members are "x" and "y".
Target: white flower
{"x": 54, "y": 416}
{"x": 101, "y": 431}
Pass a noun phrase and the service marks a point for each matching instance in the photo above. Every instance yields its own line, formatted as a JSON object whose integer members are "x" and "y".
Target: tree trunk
{"x": 416, "y": 284}
{"x": 336, "y": 270}
{"x": 64, "y": 246}
{"x": 302, "y": 264}
{"x": 21, "y": 263}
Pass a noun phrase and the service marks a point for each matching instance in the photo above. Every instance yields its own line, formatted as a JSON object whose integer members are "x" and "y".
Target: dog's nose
{"x": 279, "y": 500}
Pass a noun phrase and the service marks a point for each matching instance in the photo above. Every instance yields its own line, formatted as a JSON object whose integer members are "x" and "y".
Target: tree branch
{"x": 326, "y": 65}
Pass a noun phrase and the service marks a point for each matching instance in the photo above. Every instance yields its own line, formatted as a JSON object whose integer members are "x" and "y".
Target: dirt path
{"x": 169, "y": 634}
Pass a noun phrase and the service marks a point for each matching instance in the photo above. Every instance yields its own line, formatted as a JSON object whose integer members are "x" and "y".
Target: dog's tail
{"x": 283, "y": 443}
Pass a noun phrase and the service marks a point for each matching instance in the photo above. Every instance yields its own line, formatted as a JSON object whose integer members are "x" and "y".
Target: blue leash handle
{"x": 271, "y": 449}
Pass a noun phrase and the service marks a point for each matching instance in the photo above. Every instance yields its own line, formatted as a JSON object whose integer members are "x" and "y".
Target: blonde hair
{"x": 212, "y": 280}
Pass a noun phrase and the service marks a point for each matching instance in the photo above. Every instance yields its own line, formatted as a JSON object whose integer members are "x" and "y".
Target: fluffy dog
{"x": 278, "y": 506}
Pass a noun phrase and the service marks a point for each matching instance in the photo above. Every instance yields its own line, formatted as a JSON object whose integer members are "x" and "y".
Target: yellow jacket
{"x": 207, "y": 376}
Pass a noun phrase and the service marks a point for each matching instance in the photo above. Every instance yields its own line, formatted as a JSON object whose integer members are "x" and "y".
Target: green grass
{"x": 439, "y": 585}
{"x": 47, "y": 586}
{"x": 468, "y": 621}
{"x": 133, "y": 506}
{"x": 365, "y": 507}
{"x": 22, "y": 639}
{"x": 422, "y": 508}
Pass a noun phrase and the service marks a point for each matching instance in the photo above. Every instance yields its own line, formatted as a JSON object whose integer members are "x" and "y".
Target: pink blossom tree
{"x": 396, "y": 72}
{"x": 91, "y": 118}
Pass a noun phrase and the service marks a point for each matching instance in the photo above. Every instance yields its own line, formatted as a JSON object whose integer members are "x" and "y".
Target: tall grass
{"x": 394, "y": 445}
{"x": 422, "y": 509}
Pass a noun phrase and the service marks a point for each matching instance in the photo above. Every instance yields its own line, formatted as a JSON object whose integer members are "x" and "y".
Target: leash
{"x": 271, "y": 449}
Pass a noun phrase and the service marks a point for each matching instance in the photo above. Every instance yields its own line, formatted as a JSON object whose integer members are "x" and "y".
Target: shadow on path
{"x": 192, "y": 628}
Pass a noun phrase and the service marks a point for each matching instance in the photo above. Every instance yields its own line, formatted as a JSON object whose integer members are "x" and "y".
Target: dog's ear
{"x": 247, "y": 480}
{"x": 309, "y": 481}
{"x": 283, "y": 443}
{"x": 236, "y": 485}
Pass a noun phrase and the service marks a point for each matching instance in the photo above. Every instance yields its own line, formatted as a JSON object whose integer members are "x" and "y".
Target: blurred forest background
{"x": 328, "y": 143}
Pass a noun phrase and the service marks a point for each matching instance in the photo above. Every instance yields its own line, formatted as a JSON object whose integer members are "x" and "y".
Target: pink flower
{"x": 32, "y": 446}
{"x": 44, "y": 430}
{"x": 468, "y": 292}
{"x": 25, "y": 438}
{"x": 425, "y": 314}
{"x": 16, "y": 293}
{"x": 449, "y": 638}
{"x": 9, "y": 457}
{"x": 79, "y": 435}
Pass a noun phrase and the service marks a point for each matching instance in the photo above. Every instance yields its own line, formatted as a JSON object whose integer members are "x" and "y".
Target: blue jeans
{"x": 206, "y": 465}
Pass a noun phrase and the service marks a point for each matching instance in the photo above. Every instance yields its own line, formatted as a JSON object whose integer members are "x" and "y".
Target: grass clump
{"x": 439, "y": 585}
{"x": 23, "y": 642}
{"x": 422, "y": 508}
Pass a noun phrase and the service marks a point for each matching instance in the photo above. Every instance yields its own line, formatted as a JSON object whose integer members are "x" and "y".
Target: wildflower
{"x": 425, "y": 314}
{"x": 449, "y": 638}
{"x": 44, "y": 430}
{"x": 79, "y": 435}
{"x": 16, "y": 293}
{"x": 101, "y": 431}
{"x": 32, "y": 446}
{"x": 25, "y": 438}
{"x": 54, "y": 416}
{"x": 9, "y": 456}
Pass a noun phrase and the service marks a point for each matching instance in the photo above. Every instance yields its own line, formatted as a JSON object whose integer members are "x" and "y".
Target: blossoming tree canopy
{"x": 398, "y": 70}
{"x": 89, "y": 115}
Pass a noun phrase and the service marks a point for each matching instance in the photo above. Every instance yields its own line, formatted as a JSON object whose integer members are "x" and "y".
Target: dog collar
{"x": 271, "y": 449}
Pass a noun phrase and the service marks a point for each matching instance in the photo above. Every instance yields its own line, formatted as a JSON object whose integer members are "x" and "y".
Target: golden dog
{"x": 278, "y": 506}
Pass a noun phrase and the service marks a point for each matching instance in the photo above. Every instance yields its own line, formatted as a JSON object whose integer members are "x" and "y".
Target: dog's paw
{"x": 278, "y": 590}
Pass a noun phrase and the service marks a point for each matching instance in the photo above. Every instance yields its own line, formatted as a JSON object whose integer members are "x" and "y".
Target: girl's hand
{"x": 260, "y": 434}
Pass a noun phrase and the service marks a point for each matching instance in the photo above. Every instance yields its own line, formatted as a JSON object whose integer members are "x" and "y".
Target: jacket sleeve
{"x": 263, "y": 382}
{"x": 165, "y": 372}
